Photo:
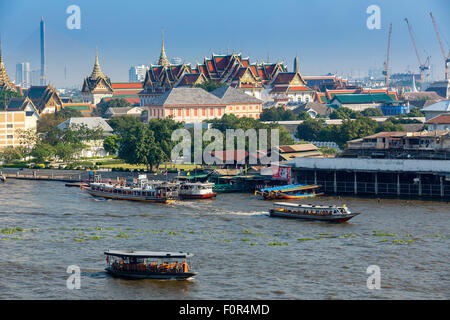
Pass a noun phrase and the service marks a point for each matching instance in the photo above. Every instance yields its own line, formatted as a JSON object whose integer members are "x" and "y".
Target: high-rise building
{"x": 23, "y": 75}
{"x": 137, "y": 73}
{"x": 35, "y": 78}
{"x": 43, "y": 57}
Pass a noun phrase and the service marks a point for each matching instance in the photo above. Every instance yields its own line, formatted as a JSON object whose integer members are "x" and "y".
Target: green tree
{"x": 11, "y": 154}
{"x": 343, "y": 113}
{"x": 43, "y": 152}
{"x": 415, "y": 112}
{"x": 211, "y": 85}
{"x": 138, "y": 146}
{"x": 372, "y": 112}
{"x": 111, "y": 143}
{"x": 5, "y": 96}
{"x": 122, "y": 123}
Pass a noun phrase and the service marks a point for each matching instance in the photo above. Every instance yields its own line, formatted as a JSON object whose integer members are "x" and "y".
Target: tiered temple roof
{"x": 97, "y": 82}
{"x": 5, "y": 82}
{"x": 44, "y": 97}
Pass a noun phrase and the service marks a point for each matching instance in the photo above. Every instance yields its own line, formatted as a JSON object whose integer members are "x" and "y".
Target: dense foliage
{"x": 316, "y": 130}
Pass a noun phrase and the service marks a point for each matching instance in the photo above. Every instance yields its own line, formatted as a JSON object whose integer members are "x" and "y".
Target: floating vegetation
{"x": 278, "y": 244}
{"x": 246, "y": 231}
{"x": 226, "y": 240}
{"x": 80, "y": 234}
{"x": 253, "y": 243}
{"x": 245, "y": 239}
{"x": 121, "y": 235}
{"x": 305, "y": 239}
{"x": 11, "y": 230}
{"x": 436, "y": 236}
{"x": 172, "y": 233}
{"x": 347, "y": 235}
{"x": 326, "y": 234}
{"x": 385, "y": 234}
{"x": 403, "y": 242}
{"x": 96, "y": 238}
{"x": 80, "y": 239}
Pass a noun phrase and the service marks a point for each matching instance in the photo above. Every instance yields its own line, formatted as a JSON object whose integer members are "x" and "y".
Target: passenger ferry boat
{"x": 149, "y": 265}
{"x": 196, "y": 190}
{"x": 311, "y": 212}
{"x": 141, "y": 190}
{"x": 292, "y": 191}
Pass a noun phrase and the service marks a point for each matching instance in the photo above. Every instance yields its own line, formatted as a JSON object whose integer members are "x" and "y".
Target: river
{"x": 240, "y": 252}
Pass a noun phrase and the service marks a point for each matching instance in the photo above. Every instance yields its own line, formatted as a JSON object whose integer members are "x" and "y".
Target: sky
{"x": 328, "y": 36}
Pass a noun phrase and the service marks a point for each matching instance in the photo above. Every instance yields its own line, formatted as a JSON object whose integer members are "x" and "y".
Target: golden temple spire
{"x": 163, "y": 61}
{"x": 5, "y": 82}
{"x": 97, "y": 72}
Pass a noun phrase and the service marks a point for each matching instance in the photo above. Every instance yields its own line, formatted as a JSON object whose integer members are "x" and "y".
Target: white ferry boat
{"x": 196, "y": 190}
{"x": 142, "y": 190}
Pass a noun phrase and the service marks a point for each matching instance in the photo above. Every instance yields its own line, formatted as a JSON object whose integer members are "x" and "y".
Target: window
{"x": 9, "y": 136}
{"x": 9, "y": 126}
{"x": 195, "y": 112}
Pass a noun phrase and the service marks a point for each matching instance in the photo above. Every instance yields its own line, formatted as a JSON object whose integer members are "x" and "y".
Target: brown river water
{"x": 240, "y": 252}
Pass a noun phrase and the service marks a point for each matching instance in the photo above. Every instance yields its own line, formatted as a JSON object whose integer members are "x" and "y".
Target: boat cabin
{"x": 148, "y": 262}
{"x": 310, "y": 209}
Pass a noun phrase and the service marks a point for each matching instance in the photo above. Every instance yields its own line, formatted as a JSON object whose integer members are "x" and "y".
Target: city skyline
{"x": 125, "y": 37}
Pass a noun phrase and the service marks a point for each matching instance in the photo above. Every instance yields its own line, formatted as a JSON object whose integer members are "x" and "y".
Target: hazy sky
{"x": 327, "y": 35}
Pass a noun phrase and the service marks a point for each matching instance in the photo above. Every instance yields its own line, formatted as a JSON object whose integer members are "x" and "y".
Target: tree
{"x": 47, "y": 121}
{"x": 42, "y": 152}
{"x": 122, "y": 123}
{"x": 281, "y": 114}
{"x": 10, "y": 153}
{"x": 309, "y": 130}
{"x": 415, "y": 112}
{"x": 138, "y": 146}
{"x": 111, "y": 143}
{"x": 344, "y": 113}
{"x": 28, "y": 139}
{"x": 211, "y": 85}
{"x": 7, "y": 95}
{"x": 372, "y": 112}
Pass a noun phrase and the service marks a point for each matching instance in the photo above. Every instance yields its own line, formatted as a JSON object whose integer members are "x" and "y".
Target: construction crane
{"x": 446, "y": 57}
{"x": 422, "y": 66}
{"x": 386, "y": 64}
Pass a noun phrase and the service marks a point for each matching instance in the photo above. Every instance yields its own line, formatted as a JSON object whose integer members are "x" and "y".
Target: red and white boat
{"x": 196, "y": 190}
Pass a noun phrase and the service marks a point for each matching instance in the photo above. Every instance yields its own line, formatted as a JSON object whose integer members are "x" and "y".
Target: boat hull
{"x": 127, "y": 197}
{"x": 151, "y": 275}
{"x": 329, "y": 218}
{"x": 198, "y": 196}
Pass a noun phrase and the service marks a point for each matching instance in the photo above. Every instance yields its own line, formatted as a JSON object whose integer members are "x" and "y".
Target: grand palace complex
{"x": 173, "y": 89}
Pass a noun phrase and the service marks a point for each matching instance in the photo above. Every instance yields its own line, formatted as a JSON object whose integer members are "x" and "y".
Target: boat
{"x": 2, "y": 178}
{"x": 291, "y": 191}
{"x": 149, "y": 265}
{"x": 141, "y": 189}
{"x": 312, "y": 212}
{"x": 196, "y": 190}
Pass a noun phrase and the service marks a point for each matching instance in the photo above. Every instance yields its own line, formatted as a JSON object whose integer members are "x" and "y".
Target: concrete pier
{"x": 376, "y": 177}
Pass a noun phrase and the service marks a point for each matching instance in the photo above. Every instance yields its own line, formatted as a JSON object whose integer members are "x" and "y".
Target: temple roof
{"x": 230, "y": 95}
{"x": 5, "y": 82}
{"x": 163, "y": 61}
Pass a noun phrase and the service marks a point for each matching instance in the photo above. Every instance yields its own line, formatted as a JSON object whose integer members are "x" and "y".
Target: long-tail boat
{"x": 291, "y": 191}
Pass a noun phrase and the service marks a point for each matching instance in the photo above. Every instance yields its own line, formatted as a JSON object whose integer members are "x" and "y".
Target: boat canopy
{"x": 298, "y": 205}
{"x": 148, "y": 254}
{"x": 291, "y": 187}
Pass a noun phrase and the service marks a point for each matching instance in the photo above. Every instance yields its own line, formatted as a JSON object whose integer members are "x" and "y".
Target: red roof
{"x": 127, "y": 85}
{"x": 442, "y": 119}
{"x": 284, "y": 77}
{"x": 299, "y": 88}
{"x": 230, "y": 155}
